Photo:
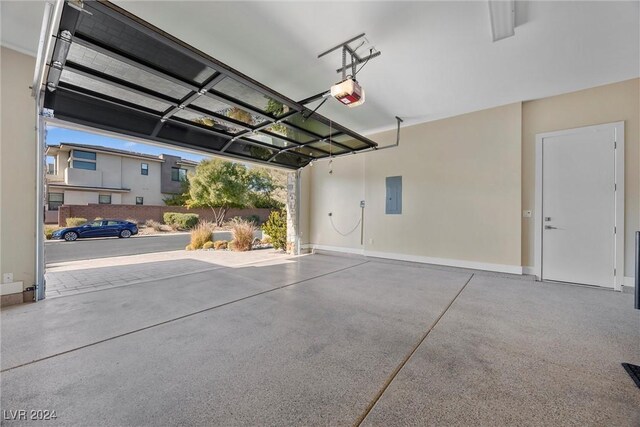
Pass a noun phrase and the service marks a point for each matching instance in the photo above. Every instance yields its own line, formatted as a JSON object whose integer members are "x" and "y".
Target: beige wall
{"x": 111, "y": 169}
{"x": 146, "y": 186}
{"x": 17, "y": 167}
{"x": 461, "y": 192}
{"x": 603, "y": 104}
{"x": 463, "y": 178}
{"x": 339, "y": 193}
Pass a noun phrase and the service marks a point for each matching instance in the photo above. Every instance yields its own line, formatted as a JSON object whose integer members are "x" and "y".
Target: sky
{"x": 57, "y": 135}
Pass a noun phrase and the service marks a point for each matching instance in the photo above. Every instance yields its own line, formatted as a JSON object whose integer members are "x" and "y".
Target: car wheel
{"x": 70, "y": 236}
{"x": 125, "y": 233}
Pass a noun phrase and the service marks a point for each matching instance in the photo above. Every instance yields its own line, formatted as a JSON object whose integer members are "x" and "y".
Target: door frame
{"x": 618, "y": 128}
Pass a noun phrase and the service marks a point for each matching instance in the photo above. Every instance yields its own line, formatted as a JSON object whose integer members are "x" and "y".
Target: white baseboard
{"x": 334, "y": 249}
{"x": 531, "y": 271}
{"x": 501, "y": 268}
{"x": 11, "y": 288}
{"x": 629, "y": 282}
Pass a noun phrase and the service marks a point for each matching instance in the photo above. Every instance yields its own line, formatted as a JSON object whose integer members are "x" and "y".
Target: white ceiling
{"x": 437, "y": 59}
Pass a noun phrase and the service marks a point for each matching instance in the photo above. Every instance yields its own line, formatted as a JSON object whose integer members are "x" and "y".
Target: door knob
{"x": 550, "y": 227}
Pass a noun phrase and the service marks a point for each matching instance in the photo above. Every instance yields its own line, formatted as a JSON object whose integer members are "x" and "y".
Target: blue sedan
{"x": 98, "y": 228}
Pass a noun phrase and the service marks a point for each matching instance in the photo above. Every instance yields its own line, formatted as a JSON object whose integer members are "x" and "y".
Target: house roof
{"x": 88, "y": 188}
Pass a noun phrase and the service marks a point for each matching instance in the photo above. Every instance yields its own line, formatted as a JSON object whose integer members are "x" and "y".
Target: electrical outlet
{"x": 526, "y": 214}
{"x": 362, "y": 203}
{"x": 7, "y": 278}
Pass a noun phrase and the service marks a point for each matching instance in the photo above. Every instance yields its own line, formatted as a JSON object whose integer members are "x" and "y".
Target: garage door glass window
{"x": 178, "y": 174}
{"x": 139, "y": 200}
{"x": 55, "y": 201}
{"x": 104, "y": 199}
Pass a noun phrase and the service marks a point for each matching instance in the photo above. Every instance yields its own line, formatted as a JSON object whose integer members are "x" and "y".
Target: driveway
{"x": 325, "y": 340}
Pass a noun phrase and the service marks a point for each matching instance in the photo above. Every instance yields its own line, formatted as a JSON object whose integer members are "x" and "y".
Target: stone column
{"x": 292, "y": 212}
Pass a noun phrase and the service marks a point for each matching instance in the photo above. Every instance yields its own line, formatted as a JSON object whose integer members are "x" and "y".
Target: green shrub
{"x": 242, "y": 231}
{"x": 276, "y": 228}
{"x": 75, "y": 221}
{"x": 220, "y": 244}
{"x": 168, "y": 217}
{"x": 49, "y": 230}
{"x": 180, "y": 220}
{"x": 201, "y": 234}
{"x": 207, "y": 245}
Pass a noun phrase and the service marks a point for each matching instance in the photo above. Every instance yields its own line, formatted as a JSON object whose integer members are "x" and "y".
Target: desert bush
{"x": 75, "y": 221}
{"x": 188, "y": 248}
{"x": 266, "y": 240}
{"x": 242, "y": 231}
{"x": 49, "y": 230}
{"x": 98, "y": 218}
{"x": 153, "y": 224}
{"x": 133, "y": 220}
{"x": 231, "y": 245}
{"x": 201, "y": 234}
{"x": 207, "y": 245}
{"x": 180, "y": 220}
{"x": 220, "y": 244}
{"x": 255, "y": 219}
{"x": 276, "y": 228}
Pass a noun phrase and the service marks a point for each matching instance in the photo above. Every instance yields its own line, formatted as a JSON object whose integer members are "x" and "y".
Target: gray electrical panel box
{"x": 394, "y": 195}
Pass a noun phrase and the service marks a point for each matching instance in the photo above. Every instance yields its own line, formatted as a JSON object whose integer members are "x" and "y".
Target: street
{"x": 60, "y": 251}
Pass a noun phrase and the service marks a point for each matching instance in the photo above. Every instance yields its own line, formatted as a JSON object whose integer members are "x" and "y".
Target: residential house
{"x": 79, "y": 174}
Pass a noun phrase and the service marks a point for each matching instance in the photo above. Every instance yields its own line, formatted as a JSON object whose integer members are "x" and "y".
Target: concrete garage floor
{"x": 318, "y": 340}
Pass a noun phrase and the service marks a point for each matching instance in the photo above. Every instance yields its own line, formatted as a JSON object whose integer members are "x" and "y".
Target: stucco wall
{"x": 146, "y": 186}
{"x": 111, "y": 168}
{"x": 17, "y": 167}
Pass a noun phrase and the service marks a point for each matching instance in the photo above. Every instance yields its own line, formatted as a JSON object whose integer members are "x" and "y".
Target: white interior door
{"x": 578, "y": 207}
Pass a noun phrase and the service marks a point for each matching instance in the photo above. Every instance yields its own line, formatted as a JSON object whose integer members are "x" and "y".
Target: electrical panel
{"x": 393, "y": 205}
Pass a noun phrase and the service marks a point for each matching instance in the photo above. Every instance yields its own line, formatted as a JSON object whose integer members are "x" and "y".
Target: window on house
{"x": 144, "y": 168}
{"x": 178, "y": 174}
{"x": 79, "y": 164}
{"x": 51, "y": 165}
{"x": 55, "y": 200}
{"x": 139, "y": 201}
{"x": 79, "y": 154}
{"x": 104, "y": 199}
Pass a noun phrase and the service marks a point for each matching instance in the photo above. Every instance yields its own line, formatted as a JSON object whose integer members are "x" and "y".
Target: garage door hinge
{"x": 614, "y": 271}
{"x": 614, "y": 230}
{"x": 615, "y": 144}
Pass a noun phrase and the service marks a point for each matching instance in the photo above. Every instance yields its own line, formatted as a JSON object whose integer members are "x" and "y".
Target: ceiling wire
{"x": 365, "y": 62}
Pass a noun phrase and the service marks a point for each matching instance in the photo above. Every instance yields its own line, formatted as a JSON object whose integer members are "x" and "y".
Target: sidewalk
{"x": 73, "y": 277}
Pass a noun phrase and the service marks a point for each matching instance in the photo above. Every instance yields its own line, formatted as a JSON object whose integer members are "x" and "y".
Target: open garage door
{"x": 112, "y": 71}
